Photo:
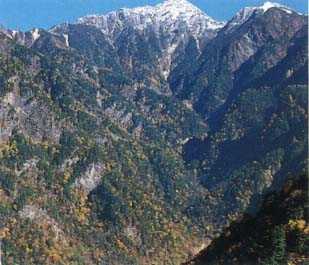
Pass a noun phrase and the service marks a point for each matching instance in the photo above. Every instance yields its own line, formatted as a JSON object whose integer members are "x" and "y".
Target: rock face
{"x": 148, "y": 39}
{"x": 171, "y": 20}
{"x": 141, "y": 131}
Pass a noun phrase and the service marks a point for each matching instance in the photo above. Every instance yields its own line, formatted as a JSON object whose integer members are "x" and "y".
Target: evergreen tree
{"x": 278, "y": 247}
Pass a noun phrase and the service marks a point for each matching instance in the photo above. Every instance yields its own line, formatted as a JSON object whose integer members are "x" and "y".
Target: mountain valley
{"x": 139, "y": 136}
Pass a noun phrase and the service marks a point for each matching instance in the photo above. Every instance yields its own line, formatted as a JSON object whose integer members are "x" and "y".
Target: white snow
{"x": 66, "y": 37}
{"x": 174, "y": 20}
{"x": 35, "y": 34}
{"x": 244, "y": 14}
{"x": 14, "y": 33}
{"x": 167, "y": 16}
{"x": 269, "y": 5}
{"x": 9, "y": 33}
{"x": 168, "y": 60}
{"x": 99, "y": 99}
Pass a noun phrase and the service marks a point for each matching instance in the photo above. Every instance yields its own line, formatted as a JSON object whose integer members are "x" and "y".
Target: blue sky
{"x": 27, "y": 14}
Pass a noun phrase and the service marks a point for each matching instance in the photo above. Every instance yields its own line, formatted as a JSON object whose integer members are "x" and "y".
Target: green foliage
{"x": 67, "y": 111}
{"x": 272, "y": 236}
{"x": 277, "y": 254}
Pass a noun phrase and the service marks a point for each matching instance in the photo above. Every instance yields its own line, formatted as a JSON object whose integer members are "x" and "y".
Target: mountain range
{"x": 138, "y": 136}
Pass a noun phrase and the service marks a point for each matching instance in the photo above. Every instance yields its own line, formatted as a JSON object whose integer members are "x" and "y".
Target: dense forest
{"x": 277, "y": 234}
{"x": 139, "y": 136}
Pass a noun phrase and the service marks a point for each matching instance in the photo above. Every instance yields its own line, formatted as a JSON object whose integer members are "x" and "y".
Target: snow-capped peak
{"x": 244, "y": 14}
{"x": 182, "y": 9}
{"x": 168, "y": 16}
{"x": 174, "y": 23}
{"x": 177, "y": 8}
{"x": 268, "y": 5}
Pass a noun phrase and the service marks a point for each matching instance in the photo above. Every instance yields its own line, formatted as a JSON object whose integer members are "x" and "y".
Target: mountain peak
{"x": 179, "y": 4}
{"x": 244, "y": 14}
{"x": 168, "y": 15}
{"x": 268, "y": 5}
{"x": 183, "y": 10}
{"x": 178, "y": 8}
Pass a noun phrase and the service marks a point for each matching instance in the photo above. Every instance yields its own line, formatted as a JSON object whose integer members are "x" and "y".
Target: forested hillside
{"x": 137, "y": 136}
{"x": 277, "y": 234}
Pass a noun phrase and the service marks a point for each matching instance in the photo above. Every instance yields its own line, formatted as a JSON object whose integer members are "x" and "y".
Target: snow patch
{"x": 184, "y": 141}
{"x": 168, "y": 16}
{"x": 269, "y": 5}
{"x": 168, "y": 60}
{"x": 66, "y": 38}
{"x": 14, "y": 33}
{"x": 99, "y": 99}
{"x": 244, "y": 14}
{"x": 35, "y": 34}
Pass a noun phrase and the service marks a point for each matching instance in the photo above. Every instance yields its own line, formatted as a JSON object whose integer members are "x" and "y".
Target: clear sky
{"x": 27, "y": 14}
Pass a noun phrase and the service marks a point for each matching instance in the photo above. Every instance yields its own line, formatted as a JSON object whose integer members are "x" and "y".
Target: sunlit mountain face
{"x": 138, "y": 136}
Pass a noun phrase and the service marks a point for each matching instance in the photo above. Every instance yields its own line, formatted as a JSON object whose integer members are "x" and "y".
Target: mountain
{"x": 276, "y": 234}
{"x": 169, "y": 18}
{"x": 244, "y": 14}
{"x": 147, "y": 39}
{"x": 138, "y": 136}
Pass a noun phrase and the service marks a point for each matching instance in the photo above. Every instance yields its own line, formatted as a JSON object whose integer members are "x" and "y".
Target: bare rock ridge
{"x": 169, "y": 16}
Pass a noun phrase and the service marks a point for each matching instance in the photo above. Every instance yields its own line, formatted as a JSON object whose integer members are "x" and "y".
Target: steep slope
{"x": 277, "y": 234}
{"x": 246, "y": 13}
{"x": 63, "y": 129}
{"x": 147, "y": 39}
{"x": 24, "y": 38}
{"x": 261, "y": 37}
{"x": 258, "y": 135}
{"x": 247, "y": 90}
{"x": 126, "y": 142}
